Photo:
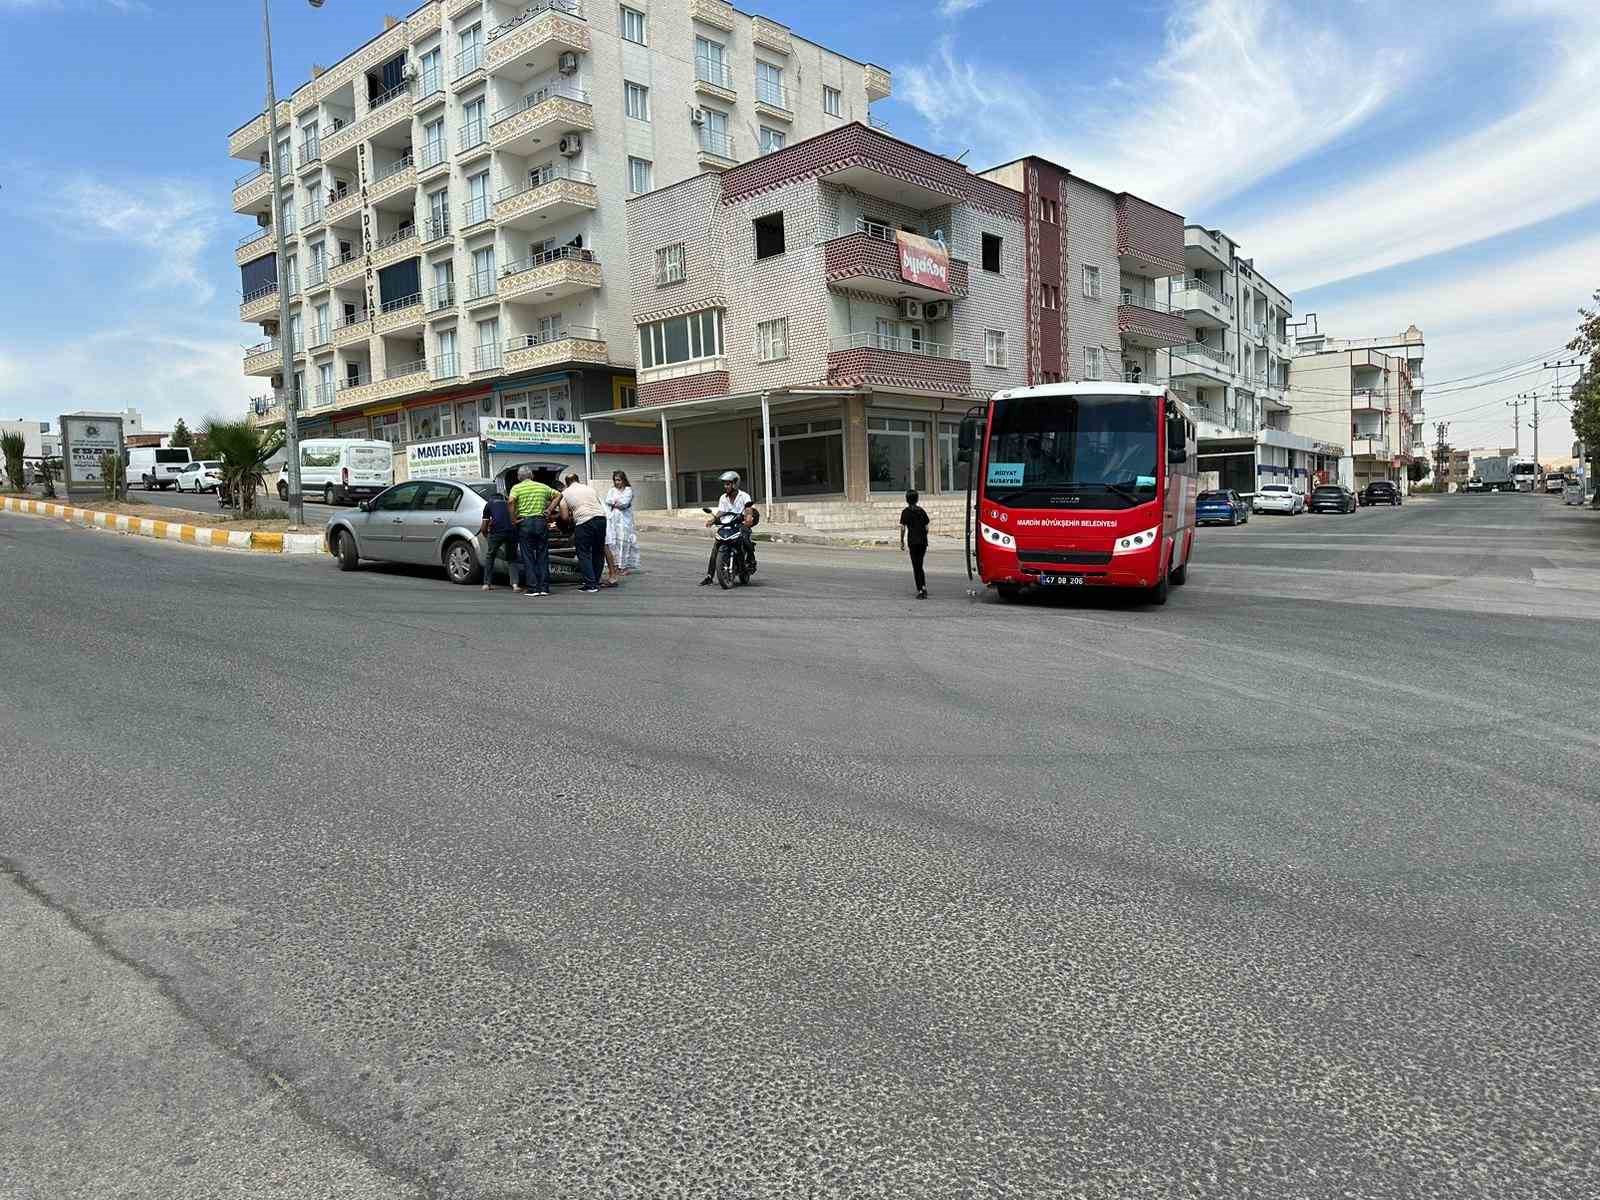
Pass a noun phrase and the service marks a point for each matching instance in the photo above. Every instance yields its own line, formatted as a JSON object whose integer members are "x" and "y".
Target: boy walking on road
{"x": 914, "y": 537}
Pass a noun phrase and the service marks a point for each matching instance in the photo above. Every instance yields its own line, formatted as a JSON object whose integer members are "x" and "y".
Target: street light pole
{"x": 291, "y": 401}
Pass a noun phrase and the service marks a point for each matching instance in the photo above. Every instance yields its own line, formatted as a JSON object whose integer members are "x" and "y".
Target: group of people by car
{"x": 517, "y": 528}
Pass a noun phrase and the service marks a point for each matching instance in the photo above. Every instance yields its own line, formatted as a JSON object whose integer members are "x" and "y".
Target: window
{"x": 1094, "y": 362}
{"x": 669, "y": 264}
{"x": 432, "y": 144}
{"x": 771, "y": 139}
{"x": 769, "y": 85}
{"x": 477, "y": 199}
{"x": 1049, "y": 297}
{"x": 639, "y": 173}
{"x": 487, "y": 356}
{"x": 472, "y": 127}
{"x": 387, "y": 429}
{"x": 431, "y": 67}
{"x": 633, "y": 26}
{"x": 711, "y": 62}
{"x": 1091, "y": 283}
{"x": 991, "y": 253}
{"x": 636, "y": 101}
{"x": 772, "y": 340}
{"x": 810, "y": 457}
{"x": 952, "y": 473}
{"x": 994, "y": 348}
{"x": 434, "y": 421}
{"x": 830, "y": 101}
{"x": 681, "y": 339}
{"x": 769, "y": 235}
{"x": 482, "y": 282}
{"x": 1049, "y": 211}
{"x": 897, "y": 454}
{"x": 714, "y": 133}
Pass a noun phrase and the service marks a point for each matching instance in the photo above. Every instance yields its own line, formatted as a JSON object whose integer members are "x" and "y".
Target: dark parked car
{"x": 1381, "y": 491}
{"x": 1221, "y": 508}
{"x": 1333, "y": 497}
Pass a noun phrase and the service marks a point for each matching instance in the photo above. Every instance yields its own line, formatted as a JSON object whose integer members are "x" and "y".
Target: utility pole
{"x": 1533, "y": 399}
{"x": 1441, "y": 456}
{"x": 1516, "y": 424}
{"x": 1556, "y": 392}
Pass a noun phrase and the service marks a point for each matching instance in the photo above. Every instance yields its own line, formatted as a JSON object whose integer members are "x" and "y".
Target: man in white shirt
{"x": 588, "y": 516}
{"x": 734, "y": 500}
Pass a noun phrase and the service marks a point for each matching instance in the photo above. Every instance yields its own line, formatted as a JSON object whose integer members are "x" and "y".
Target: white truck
{"x": 1493, "y": 473}
{"x": 1525, "y": 474}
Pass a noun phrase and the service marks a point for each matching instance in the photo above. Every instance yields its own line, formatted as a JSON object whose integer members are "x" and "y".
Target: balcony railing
{"x": 324, "y": 394}
{"x": 773, "y": 94}
{"x": 542, "y": 176}
{"x": 400, "y": 303}
{"x": 480, "y": 285}
{"x": 320, "y": 335}
{"x": 395, "y": 238}
{"x": 524, "y": 341}
{"x": 1214, "y": 293}
{"x": 316, "y": 273}
{"x": 355, "y": 379}
{"x": 570, "y": 8}
{"x": 310, "y": 151}
{"x": 871, "y": 340}
{"x": 714, "y": 71}
{"x": 446, "y": 366}
{"x": 441, "y": 297}
{"x": 487, "y": 358}
{"x": 559, "y": 254}
{"x": 261, "y": 293}
{"x": 430, "y": 82}
{"x": 251, "y": 176}
{"x": 475, "y": 210}
{"x": 350, "y": 320}
{"x": 403, "y": 163}
{"x": 876, "y": 230}
{"x": 1141, "y": 300}
{"x": 389, "y": 97}
{"x": 434, "y": 229}
{"x": 876, "y": 122}
{"x": 1200, "y": 352}
{"x": 431, "y": 154}
{"x": 472, "y": 134}
{"x": 349, "y": 256}
{"x": 256, "y": 235}
{"x": 468, "y": 61}
{"x": 559, "y": 90}
{"x": 401, "y": 370}
{"x": 311, "y": 213}
{"x": 719, "y": 144}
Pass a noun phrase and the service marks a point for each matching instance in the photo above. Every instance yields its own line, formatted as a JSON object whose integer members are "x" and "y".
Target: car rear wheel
{"x": 344, "y": 548}
{"x": 327, "y": 493}
{"x": 461, "y": 562}
{"x": 283, "y": 491}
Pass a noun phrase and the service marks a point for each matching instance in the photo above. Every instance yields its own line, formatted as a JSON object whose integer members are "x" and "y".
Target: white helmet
{"x": 729, "y": 477}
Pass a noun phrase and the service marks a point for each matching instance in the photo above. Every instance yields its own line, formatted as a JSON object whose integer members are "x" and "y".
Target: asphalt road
{"x": 331, "y": 884}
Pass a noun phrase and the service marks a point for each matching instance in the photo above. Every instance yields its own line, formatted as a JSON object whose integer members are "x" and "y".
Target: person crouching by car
{"x": 501, "y": 532}
{"x": 588, "y": 517}
{"x": 735, "y": 500}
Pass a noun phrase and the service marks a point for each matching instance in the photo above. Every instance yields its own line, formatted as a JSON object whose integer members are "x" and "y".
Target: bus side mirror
{"x": 1177, "y": 454}
{"x": 1177, "y": 443}
{"x": 967, "y": 440}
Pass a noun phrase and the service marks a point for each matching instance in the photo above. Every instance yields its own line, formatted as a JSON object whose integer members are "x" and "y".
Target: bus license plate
{"x": 1061, "y": 580}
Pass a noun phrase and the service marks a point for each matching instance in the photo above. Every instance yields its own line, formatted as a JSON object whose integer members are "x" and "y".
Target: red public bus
{"x": 1082, "y": 484}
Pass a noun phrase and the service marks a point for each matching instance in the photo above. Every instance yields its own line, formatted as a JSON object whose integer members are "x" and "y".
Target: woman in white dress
{"x": 621, "y": 539}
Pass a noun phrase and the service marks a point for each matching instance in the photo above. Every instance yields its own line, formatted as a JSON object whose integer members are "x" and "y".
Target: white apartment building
{"x": 1236, "y": 366}
{"x": 1366, "y": 394}
{"x": 454, "y": 198}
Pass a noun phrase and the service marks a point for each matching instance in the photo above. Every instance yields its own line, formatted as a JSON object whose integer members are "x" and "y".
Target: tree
{"x": 1418, "y": 470}
{"x": 243, "y": 448}
{"x": 181, "y": 435}
{"x": 1586, "y": 393}
{"x": 14, "y": 447}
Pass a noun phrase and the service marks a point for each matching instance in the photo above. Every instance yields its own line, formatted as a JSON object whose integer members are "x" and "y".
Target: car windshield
{"x": 1059, "y": 451}
{"x": 212, "y": 465}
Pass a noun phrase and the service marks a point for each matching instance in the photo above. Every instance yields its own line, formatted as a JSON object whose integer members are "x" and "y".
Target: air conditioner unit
{"x": 571, "y": 144}
{"x": 277, "y": 381}
{"x": 567, "y": 64}
{"x": 698, "y": 116}
{"x": 936, "y": 310}
{"x": 910, "y": 309}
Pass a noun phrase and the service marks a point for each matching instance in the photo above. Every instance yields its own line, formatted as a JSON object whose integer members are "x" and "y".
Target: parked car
{"x": 1475, "y": 485}
{"x": 431, "y": 522}
{"x": 1220, "y": 508}
{"x": 1333, "y": 497}
{"x": 156, "y": 467}
{"x": 338, "y": 470}
{"x": 1555, "y": 483}
{"x": 1381, "y": 491}
{"x": 1278, "y": 498}
{"x": 200, "y": 477}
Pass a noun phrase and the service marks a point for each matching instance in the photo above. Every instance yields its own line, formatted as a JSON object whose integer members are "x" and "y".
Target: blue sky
{"x": 1386, "y": 163}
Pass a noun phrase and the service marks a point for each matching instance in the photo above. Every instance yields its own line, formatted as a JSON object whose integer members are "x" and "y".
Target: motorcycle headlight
{"x": 1130, "y": 543}
{"x": 996, "y": 538}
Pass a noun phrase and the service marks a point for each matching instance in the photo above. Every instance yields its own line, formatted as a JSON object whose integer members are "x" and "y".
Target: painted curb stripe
{"x": 267, "y": 541}
{"x": 199, "y": 535}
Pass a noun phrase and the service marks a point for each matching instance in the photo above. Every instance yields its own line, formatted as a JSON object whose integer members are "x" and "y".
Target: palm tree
{"x": 244, "y": 448}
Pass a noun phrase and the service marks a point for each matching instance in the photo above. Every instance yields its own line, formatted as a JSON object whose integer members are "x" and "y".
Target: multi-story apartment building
{"x": 455, "y": 198}
{"x": 1096, "y": 308}
{"x": 820, "y": 319}
{"x": 1409, "y": 345}
{"x": 1360, "y": 402}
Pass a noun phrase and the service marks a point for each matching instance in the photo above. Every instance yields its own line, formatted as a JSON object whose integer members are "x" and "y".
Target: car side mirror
{"x": 365, "y": 506}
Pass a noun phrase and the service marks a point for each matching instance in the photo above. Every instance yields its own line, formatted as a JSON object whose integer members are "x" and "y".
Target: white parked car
{"x": 200, "y": 476}
{"x": 1278, "y": 498}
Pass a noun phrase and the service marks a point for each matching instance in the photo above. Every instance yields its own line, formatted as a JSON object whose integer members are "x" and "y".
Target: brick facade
{"x": 868, "y": 366}
{"x": 1152, "y": 235}
{"x": 684, "y": 387}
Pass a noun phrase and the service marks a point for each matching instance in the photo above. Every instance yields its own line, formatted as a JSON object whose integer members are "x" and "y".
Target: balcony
{"x": 545, "y": 195}
{"x": 446, "y": 367}
{"x": 879, "y": 82}
{"x": 252, "y": 191}
{"x": 347, "y": 268}
{"x": 458, "y": 8}
{"x": 387, "y": 109}
{"x": 342, "y": 204}
{"x": 394, "y": 180}
{"x": 551, "y": 275}
{"x": 1148, "y": 322}
{"x": 431, "y": 157}
{"x": 487, "y": 360}
{"x": 316, "y": 275}
{"x": 771, "y": 35}
{"x": 319, "y": 340}
{"x": 261, "y": 304}
{"x": 430, "y": 90}
{"x": 1367, "y": 400}
{"x": 1370, "y": 445}
{"x": 254, "y": 245}
{"x": 400, "y": 315}
{"x": 575, "y": 344}
{"x": 323, "y": 395}
{"x": 475, "y": 212}
{"x": 466, "y": 67}
{"x": 481, "y": 290}
{"x": 434, "y": 231}
{"x": 716, "y": 13}
{"x": 339, "y": 140}
{"x": 265, "y": 410}
{"x": 250, "y": 138}
{"x": 397, "y": 380}
{"x": 716, "y": 151}
{"x": 869, "y": 261}
{"x": 714, "y": 77}
{"x": 399, "y": 245}
{"x": 352, "y": 330}
{"x": 264, "y": 359}
{"x": 773, "y": 100}
{"x": 1199, "y": 361}
{"x": 531, "y": 43}
{"x": 866, "y": 359}
{"x": 551, "y": 110}
{"x": 473, "y": 140}
{"x": 309, "y": 154}
{"x": 1202, "y": 304}
{"x": 311, "y": 215}
{"x": 1205, "y": 251}
{"x": 441, "y": 298}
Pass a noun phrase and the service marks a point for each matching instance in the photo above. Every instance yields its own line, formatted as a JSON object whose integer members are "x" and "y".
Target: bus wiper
{"x": 1125, "y": 490}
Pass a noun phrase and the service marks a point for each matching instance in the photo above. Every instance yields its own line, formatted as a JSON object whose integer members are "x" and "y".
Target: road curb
{"x": 171, "y": 531}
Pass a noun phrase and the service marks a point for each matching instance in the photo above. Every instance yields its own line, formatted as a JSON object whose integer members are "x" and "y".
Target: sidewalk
{"x": 204, "y": 536}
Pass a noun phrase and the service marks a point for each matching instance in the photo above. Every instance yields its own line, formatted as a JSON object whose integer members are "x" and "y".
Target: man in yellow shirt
{"x": 531, "y": 502}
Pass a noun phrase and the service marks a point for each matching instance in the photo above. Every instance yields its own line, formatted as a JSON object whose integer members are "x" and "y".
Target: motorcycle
{"x": 733, "y": 554}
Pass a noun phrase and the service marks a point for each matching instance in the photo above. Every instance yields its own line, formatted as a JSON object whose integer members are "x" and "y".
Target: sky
{"x": 1387, "y": 163}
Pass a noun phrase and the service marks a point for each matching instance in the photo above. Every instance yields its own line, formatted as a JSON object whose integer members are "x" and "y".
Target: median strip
{"x": 172, "y": 531}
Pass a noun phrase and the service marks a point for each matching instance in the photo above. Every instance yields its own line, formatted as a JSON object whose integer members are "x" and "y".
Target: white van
{"x": 156, "y": 467}
{"x": 337, "y": 470}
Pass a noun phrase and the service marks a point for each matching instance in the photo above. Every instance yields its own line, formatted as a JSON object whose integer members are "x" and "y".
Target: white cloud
{"x": 1239, "y": 90}
{"x": 171, "y": 221}
{"x": 954, "y": 8}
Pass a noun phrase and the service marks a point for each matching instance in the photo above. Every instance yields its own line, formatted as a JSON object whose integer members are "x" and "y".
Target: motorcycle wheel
{"x": 724, "y": 570}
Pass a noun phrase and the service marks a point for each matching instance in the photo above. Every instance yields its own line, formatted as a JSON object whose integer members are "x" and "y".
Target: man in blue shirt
{"x": 501, "y": 531}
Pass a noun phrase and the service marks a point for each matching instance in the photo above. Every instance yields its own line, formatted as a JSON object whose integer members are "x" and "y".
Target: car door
{"x": 431, "y": 515}
{"x": 380, "y": 531}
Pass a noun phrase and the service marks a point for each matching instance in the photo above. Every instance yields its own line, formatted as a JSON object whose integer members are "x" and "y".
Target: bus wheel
{"x": 1008, "y": 592}
{"x": 1180, "y": 575}
{"x": 1158, "y": 594}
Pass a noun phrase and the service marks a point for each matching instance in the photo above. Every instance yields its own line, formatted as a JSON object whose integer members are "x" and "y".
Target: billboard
{"x": 451, "y": 458}
{"x": 923, "y": 261}
{"x": 85, "y": 440}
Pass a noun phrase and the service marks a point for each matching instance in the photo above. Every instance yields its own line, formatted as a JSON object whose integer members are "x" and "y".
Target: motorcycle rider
{"x": 735, "y": 500}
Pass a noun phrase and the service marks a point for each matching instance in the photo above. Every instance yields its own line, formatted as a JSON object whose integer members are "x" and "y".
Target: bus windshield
{"x": 1068, "y": 451}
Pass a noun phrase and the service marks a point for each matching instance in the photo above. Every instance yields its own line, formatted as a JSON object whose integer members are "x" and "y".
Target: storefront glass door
{"x": 897, "y": 454}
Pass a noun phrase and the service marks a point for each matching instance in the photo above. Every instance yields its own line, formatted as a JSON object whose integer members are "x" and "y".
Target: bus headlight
{"x": 1132, "y": 543}
{"x": 995, "y": 538}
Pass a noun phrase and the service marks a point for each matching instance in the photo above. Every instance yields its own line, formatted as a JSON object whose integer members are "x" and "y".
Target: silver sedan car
{"x": 427, "y": 522}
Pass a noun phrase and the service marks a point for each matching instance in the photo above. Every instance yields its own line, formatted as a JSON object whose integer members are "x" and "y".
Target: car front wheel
{"x": 344, "y": 548}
